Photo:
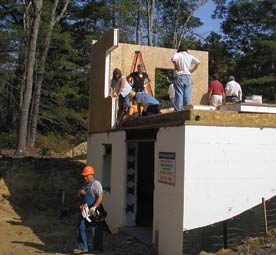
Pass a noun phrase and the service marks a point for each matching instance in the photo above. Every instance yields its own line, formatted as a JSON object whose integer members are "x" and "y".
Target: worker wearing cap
{"x": 149, "y": 103}
{"x": 93, "y": 196}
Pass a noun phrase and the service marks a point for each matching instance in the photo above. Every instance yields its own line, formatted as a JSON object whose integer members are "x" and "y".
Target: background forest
{"x": 45, "y": 56}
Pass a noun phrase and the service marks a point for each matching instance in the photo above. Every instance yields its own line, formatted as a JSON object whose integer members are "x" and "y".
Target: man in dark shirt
{"x": 139, "y": 79}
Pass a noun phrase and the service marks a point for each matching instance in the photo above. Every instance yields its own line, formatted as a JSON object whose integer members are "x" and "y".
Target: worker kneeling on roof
{"x": 150, "y": 104}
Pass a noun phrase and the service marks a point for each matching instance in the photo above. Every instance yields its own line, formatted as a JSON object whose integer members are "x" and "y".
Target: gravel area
{"x": 118, "y": 244}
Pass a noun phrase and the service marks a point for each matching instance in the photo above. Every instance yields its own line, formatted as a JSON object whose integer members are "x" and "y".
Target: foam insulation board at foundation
{"x": 245, "y": 107}
{"x": 200, "y": 107}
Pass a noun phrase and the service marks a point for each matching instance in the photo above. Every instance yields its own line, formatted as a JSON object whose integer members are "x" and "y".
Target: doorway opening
{"x": 145, "y": 184}
{"x": 140, "y": 184}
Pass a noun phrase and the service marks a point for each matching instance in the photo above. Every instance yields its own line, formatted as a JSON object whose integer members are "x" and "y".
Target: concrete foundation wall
{"x": 227, "y": 171}
{"x": 114, "y": 201}
{"x": 168, "y": 199}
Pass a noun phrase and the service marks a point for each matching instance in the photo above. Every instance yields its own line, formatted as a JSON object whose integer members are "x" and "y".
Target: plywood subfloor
{"x": 202, "y": 118}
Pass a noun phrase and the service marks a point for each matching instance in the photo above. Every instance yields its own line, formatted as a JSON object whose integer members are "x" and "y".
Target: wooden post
{"x": 265, "y": 215}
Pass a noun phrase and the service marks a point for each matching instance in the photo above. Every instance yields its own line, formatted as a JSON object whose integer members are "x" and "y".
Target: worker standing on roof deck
{"x": 93, "y": 196}
{"x": 139, "y": 79}
{"x": 120, "y": 87}
{"x": 216, "y": 92}
{"x": 233, "y": 91}
{"x": 182, "y": 81}
{"x": 150, "y": 104}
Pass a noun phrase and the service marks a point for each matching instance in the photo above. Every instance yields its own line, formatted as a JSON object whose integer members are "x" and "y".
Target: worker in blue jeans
{"x": 184, "y": 65}
{"x": 93, "y": 196}
{"x": 183, "y": 84}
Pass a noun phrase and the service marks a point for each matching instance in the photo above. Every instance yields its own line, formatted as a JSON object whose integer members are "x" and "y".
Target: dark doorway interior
{"x": 144, "y": 215}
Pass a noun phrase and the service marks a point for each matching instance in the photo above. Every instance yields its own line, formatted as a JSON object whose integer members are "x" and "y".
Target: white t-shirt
{"x": 171, "y": 92}
{"x": 127, "y": 88}
{"x": 184, "y": 61}
{"x": 233, "y": 88}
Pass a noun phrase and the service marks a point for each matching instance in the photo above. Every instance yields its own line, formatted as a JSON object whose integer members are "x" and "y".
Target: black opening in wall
{"x": 145, "y": 184}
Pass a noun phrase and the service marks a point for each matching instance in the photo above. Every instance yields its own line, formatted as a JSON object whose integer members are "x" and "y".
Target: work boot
{"x": 79, "y": 251}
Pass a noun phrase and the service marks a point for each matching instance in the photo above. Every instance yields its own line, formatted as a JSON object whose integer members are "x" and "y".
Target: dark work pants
{"x": 152, "y": 109}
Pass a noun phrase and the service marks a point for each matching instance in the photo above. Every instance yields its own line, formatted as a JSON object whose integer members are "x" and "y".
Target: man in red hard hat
{"x": 93, "y": 196}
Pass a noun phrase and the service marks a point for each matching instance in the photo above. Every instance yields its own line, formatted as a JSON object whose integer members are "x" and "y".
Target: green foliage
{"x": 265, "y": 86}
{"x": 8, "y": 139}
{"x": 250, "y": 42}
{"x": 220, "y": 59}
{"x": 246, "y": 50}
{"x": 174, "y": 17}
{"x": 55, "y": 142}
{"x": 163, "y": 78}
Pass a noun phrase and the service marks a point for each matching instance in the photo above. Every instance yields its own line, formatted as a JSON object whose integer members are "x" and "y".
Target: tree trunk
{"x": 150, "y": 13}
{"x": 138, "y": 22}
{"x": 175, "y": 25}
{"x": 41, "y": 69}
{"x": 24, "y": 113}
{"x": 22, "y": 60}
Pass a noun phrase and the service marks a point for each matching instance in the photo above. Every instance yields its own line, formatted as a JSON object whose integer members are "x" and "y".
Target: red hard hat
{"x": 87, "y": 170}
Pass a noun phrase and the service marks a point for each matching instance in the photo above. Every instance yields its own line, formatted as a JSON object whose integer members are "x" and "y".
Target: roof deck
{"x": 201, "y": 117}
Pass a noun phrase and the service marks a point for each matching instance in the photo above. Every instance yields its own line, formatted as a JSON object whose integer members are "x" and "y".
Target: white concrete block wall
{"x": 227, "y": 171}
{"x": 168, "y": 199}
{"x": 114, "y": 201}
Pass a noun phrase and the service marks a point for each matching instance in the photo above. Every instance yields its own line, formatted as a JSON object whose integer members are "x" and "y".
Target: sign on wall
{"x": 167, "y": 167}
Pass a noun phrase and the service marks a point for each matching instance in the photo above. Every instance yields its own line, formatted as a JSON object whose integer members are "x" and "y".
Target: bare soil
{"x": 31, "y": 210}
{"x": 33, "y": 219}
{"x": 252, "y": 246}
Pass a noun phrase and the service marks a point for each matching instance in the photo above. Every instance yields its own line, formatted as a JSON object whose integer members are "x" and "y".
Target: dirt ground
{"x": 33, "y": 219}
{"x": 252, "y": 246}
{"x": 31, "y": 205}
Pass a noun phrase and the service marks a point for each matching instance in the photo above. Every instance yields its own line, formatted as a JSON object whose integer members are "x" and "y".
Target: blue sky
{"x": 204, "y": 13}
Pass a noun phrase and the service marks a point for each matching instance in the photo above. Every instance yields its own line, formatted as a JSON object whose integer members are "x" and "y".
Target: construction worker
{"x": 233, "y": 91}
{"x": 133, "y": 109}
{"x": 171, "y": 93}
{"x": 216, "y": 92}
{"x": 184, "y": 65}
{"x": 139, "y": 79}
{"x": 120, "y": 88}
{"x": 93, "y": 196}
{"x": 150, "y": 104}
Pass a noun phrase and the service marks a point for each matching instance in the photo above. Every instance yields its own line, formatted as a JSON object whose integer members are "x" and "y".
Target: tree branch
{"x": 62, "y": 11}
